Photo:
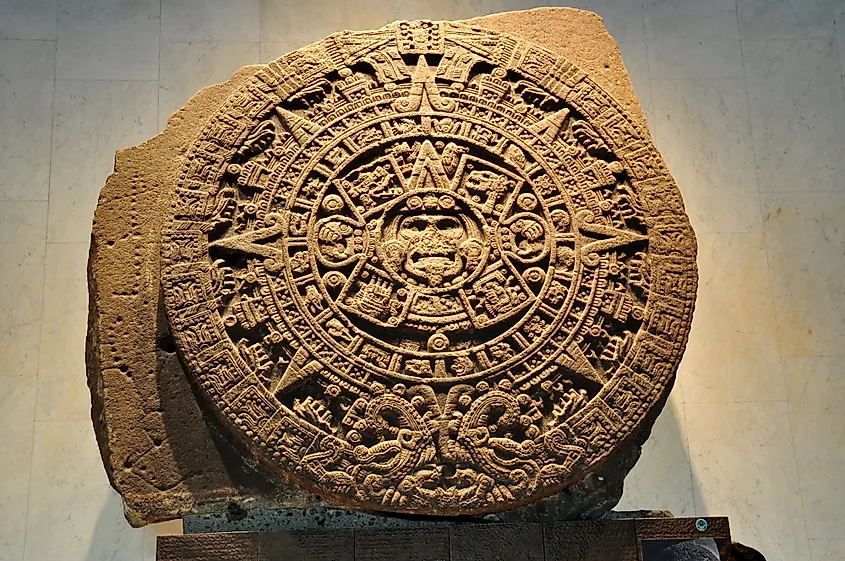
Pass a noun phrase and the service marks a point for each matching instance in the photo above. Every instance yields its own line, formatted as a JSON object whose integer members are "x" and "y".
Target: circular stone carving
{"x": 428, "y": 268}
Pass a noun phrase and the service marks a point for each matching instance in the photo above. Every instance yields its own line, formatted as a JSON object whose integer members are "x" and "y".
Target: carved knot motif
{"x": 428, "y": 268}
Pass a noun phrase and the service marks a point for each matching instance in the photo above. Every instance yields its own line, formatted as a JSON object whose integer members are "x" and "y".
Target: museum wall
{"x": 744, "y": 99}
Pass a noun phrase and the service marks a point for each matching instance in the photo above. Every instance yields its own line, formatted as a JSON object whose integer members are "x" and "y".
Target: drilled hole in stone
{"x": 235, "y": 512}
{"x": 166, "y": 343}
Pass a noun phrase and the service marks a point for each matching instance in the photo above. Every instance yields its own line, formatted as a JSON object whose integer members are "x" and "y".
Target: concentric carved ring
{"x": 428, "y": 268}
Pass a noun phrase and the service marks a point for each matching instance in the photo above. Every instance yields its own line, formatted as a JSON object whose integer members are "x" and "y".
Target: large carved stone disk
{"x": 428, "y": 268}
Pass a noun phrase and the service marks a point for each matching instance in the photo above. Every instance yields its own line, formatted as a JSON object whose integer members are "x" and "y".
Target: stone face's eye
{"x": 447, "y": 224}
{"x": 412, "y": 227}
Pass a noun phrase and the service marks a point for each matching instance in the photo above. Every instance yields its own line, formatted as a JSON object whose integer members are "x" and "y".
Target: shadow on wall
{"x": 662, "y": 479}
{"x": 112, "y": 537}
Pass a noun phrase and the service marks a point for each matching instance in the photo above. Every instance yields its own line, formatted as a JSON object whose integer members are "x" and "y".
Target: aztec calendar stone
{"x": 428, "y": 268}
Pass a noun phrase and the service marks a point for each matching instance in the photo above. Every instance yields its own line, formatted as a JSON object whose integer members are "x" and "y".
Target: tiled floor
{"x": 745, "y": 99}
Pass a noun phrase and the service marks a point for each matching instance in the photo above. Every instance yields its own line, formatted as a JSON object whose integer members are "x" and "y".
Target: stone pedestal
{"x": 642, "y": 539}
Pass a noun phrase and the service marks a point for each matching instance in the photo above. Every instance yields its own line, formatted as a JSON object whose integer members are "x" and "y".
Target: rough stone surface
{"x": 429, "y": 268}
{"x": 157, "y": 449}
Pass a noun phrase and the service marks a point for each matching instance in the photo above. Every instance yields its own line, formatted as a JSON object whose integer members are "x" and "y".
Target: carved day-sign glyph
{"x": 428, "y": 268}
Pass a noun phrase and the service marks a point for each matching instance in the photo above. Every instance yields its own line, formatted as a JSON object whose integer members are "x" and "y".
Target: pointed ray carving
{"x": 301, "y": 129}
{"x": 550, "y": 127}
{"x": 583, "y": 222}
{"x": 300, "y": 368}
{"x": 428, "y": 171}
{"x": 573, "y": 359}
{"x": 425, "y": 95}
{"x": 249, "y": 242}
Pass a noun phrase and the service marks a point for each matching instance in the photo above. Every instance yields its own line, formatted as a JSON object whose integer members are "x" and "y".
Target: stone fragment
{"x": 435, "y": 268}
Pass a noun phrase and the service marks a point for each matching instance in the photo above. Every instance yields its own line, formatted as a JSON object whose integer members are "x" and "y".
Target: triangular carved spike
{"x": 573, "y": 358}
{"x": 550, "y": 127}
{"x": 424, "y": 95}
{"x": 248, "y": 242}
{"x": 298, "y": 370}
{"x": 302, "y": 129}
{"x": 428, "y": 169}
{"x": 615, "y": 238}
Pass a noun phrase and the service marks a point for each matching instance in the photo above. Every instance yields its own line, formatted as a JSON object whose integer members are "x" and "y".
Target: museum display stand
{"x": 332, "y": 535}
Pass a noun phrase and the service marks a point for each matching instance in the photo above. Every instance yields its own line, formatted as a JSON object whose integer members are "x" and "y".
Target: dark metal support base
{"x": 348, "y": 539}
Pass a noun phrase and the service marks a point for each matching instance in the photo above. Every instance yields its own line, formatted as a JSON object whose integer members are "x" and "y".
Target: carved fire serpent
{"x": 428, "y": 268}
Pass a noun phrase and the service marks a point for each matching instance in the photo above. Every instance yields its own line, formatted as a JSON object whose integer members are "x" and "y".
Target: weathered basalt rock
{"x": 435, "y": 268}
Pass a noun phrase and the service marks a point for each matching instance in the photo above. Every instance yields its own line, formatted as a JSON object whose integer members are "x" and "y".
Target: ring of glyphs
{"x": 428, "y": 268}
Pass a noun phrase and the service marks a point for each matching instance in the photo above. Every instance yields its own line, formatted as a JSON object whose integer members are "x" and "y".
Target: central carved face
{"x": 433, "y": 244}
{"x": 432, "y": 240}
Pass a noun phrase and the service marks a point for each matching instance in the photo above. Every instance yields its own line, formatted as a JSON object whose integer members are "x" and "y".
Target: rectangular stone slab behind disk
{"x": 165, "y": 457}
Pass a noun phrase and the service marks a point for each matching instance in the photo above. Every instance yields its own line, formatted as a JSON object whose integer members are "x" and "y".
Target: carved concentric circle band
{"x": 428, "y": 268}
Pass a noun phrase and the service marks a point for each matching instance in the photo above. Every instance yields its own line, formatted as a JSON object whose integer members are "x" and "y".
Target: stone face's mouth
{"x": 433, "y": 255}
{"x": 434, "y": 266}
{"x": 439, "y": 265}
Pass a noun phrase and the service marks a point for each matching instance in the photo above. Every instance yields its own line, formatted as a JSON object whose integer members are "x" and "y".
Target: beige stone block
{"x": 140, "y": 395}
